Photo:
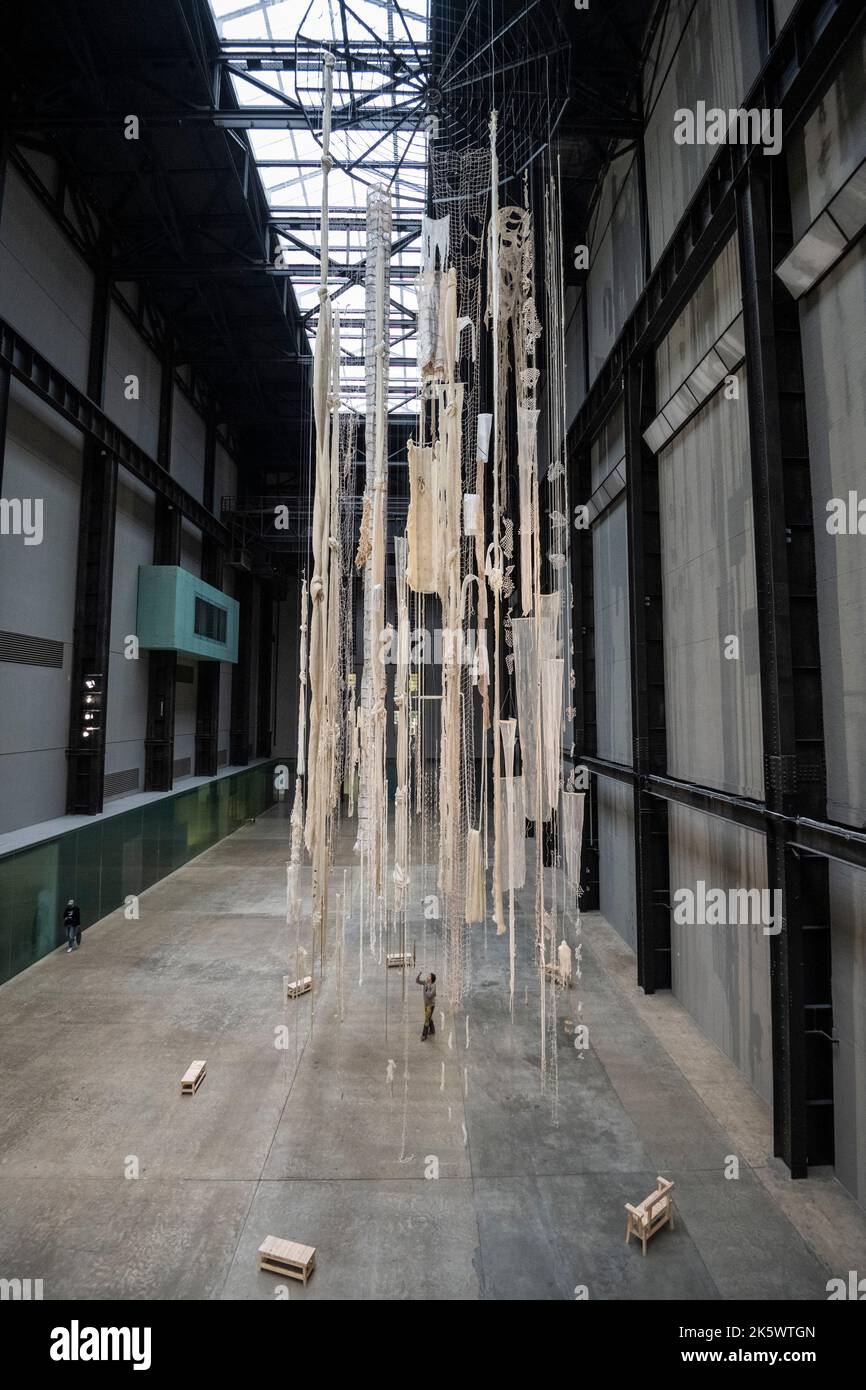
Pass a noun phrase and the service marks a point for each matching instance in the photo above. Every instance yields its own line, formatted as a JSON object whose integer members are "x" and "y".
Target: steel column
{"x": 583, "y": 647}
{"x": 649, "y": 744}
{"x": 239, "y": 743}
{"x": 790, "y": 691}
{"x": 85, "y": 754}
{"x": 162, "y": 665}
{"x": 264, "y": 722}
{"x": 208, "y": 690}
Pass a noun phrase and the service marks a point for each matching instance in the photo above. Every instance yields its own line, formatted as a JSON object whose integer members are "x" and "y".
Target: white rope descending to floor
{"x": 472, "y": 477}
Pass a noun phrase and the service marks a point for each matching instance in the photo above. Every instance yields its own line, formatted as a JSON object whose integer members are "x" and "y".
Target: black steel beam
{"x": 51, "y": 386}
{"x": 210, "y": 441}
{"x": 264, "y": 721}
{"x": 5, "y": 374}
{"x": 5, "y": 385}
{"x": 583, "y": 648}
{"x": 649, "y": 744}
{"x": 162, "y": 667}
{"x": 89, "y": 685}
{"x": 824, "y": 838}
{"x": 792, "y": 719}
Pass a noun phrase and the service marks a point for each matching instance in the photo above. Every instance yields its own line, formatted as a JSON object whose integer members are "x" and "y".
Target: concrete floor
{"x": 311, "y": 1142}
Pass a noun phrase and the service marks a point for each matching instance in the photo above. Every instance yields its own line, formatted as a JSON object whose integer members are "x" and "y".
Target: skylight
{"x": 379, "y": 137}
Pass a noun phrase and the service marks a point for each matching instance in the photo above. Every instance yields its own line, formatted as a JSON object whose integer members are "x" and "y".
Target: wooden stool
{"x": 399, "y": 960}
{"x": 655, "y": 1211}
{"x": 192, "y": 1078}
{"x": 288, "y": 1258}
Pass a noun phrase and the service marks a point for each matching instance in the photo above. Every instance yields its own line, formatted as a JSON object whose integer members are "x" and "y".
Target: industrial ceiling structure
{"x": 209, "y": 216}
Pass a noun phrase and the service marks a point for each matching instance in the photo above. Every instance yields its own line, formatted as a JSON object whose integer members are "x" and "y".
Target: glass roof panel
{"x": 378, "y": 138}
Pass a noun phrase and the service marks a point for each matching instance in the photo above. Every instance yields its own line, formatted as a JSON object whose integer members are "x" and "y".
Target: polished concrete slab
{"x": 436, "y": 1170}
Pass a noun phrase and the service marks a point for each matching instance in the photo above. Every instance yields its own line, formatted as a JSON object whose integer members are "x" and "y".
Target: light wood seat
{"x": 296, "y": 987}
{"x": 287, "y": 1257}
{"x": 655, "y": 1211}
{"x": 400, "y": 959}
{"x": 192, "y": 1078}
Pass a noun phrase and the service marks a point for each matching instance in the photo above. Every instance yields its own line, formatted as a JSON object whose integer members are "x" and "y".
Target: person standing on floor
{"x": 72, "y": 923}
{"x": 429, "y": 987}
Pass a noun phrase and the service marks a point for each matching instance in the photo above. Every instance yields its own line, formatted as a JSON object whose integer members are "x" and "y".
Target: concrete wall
{"x": 46, "y": 290}
{"x": 187, "y": 445}
{"x": 613, "y": 714}
{"x": 616, "y": 857}
{"x": 721, "y": 973}
{"x": 707, "y": 51}
{"x": 37, "y": 599}
{"x": 615, "y": 276}
{"x": 127, "y": 680}
{"x": 128, "y": 355}
{"x": 612, "y": 663}
{"x": 712, "y": 703}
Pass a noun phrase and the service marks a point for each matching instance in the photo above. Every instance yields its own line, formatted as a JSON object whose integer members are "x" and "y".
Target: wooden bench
{"x": 655, "y": 1211}
{"x": 288, "y": 1258}
{"x": 192, "y": 1078}
{"x": 296, "y": 987}
{"x": 400, "y": 959}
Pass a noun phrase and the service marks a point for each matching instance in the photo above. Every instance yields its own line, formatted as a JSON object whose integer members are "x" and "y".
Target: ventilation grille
{"x": 222, "y": 757}
{"x": 30, "y": 651}
{"x": 185, "y": 675}
{"x": 121, "y": 783}
{"x": 182, "y": 767}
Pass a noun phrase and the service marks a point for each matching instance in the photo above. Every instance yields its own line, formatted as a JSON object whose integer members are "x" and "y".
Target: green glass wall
{"x": 99, "y": 865}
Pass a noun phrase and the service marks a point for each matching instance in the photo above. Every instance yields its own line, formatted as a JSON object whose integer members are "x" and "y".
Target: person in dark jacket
{"x": 72, "y": 923}
{"x": 429, "y": 987}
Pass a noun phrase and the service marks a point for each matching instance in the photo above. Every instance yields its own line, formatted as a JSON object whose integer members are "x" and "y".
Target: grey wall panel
{"x": 225, "y": 477}
{"x": 784, "y": 9}
{"x": 32, "y": 783}
{"x": 608, "y": 447}
{"x": 37, "y": 597}
{"x": 616, "y": 857}
{"x": 615, "y": 276}
{"x": 832, "y": 142}
{"x": 187, "y": 445}
{"x": 129, "y": 355}
{"x": 833, "y": 321}
{"x": 848, "y": 915}
{"x": 184, "y": 717}
{"x": 710, "y": 52}
{"x": 712, "y": 308}
{"x": 575, "y": 356}
{"x": 126, "y": 720}
{"x": 612, "y": 665}
{"x": 713, "y": 705}
{"x": 722, "y": 973}
{"x": 190, "y": 548}
{"x": 46, "y": 290}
